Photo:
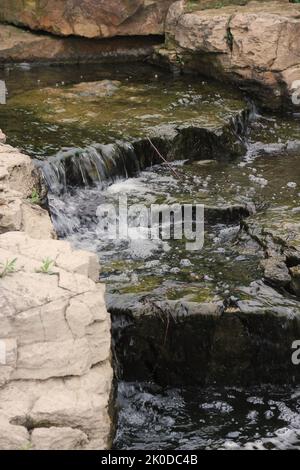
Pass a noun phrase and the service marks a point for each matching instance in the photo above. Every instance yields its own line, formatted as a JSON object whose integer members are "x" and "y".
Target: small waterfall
{"x": 77, "y": 169}
{"x": 241, "y": 122}
{"x": 96, "y": 163}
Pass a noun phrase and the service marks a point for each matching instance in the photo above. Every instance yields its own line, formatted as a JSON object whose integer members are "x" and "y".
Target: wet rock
{"x": 88, "y": 90}
{"x": 276, "y": 272}
{"x": 246, "y": 45}
{"x": 281, "y": 245}
{"x": 179, "y": 342}
{"x": 228, "y": 214}
{"x": 293, "y": 256}
{"x": 100, "y": 163}
{"x": 102, "y": 89}
{"x": 295, "y": 285}
{"x": 89, "y": 18}
{"x": 17, "y": 45}
{"x": 291, "y": 147}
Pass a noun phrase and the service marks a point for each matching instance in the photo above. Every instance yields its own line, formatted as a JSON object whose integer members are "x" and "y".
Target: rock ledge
{"x": 55, "y": 340}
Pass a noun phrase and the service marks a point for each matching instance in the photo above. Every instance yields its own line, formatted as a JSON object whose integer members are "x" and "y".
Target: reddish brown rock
{"x": 17, "y": 45}
{"x": 88, "y": 18}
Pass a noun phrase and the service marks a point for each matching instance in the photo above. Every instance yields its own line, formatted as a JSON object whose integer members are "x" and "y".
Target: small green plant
{"x": 8, "y": 268}
{"x": 46, "y": 267}
{"x": 27, "y": 446}
{"x": 35, "y": 197}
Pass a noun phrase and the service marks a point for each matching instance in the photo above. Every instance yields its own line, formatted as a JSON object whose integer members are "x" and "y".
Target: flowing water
{"x": 197, "y": 419}
{"x": 88, "y": 144}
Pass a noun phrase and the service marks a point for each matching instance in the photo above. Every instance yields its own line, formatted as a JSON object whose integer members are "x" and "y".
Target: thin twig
{"x": 163, "y": 158}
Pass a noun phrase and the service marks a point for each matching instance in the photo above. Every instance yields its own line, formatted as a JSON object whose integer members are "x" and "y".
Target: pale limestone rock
{"x": 76, "y": 283}
{"x": 78, "y": 409}
{"x": 8, "y": 348}
{"x": 96, "y": 303}
{"x": 18, "y": 178}
{"x": 35, "y": 222}
{"x": 84, "y": 263}
{"x": 2, "y": 137}
{"x": 78, "y": 317}
{"x": 42, "y": 361}
{"x": 56, "y": 332}
{"x": 21, "y": 290}
{"x": 58, "y": 439}
{"x": 13, "y": 437}
{"x": 98, "y": 336}
{"x": 10, "y": 212}
{"x": 245, "y": 44}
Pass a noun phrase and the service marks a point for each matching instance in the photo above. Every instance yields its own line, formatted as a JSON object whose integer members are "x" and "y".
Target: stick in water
{"x": 163, "y": 158}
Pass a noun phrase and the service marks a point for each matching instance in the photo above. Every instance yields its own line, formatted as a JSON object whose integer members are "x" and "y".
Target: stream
{"x": 191, "y": 374}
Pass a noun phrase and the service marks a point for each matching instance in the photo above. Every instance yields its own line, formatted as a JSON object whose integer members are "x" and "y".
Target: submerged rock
{"x": 102, "y": 89}
{"x": 211, "y": 124}
{"x": 244, "y": 44}
{"x": 212, "y": 119}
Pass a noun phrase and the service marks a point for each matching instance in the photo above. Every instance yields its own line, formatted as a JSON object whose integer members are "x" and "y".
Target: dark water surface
{"x": 207, "y": 419}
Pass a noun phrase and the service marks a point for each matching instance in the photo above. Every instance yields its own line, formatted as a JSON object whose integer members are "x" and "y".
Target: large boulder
{"x": 55, "y": 369}
{"x": 256, "y": 45}
{"x": 55, "y": 340}
{"x": 18, "y": 45}
{"x": 88, "y": 18}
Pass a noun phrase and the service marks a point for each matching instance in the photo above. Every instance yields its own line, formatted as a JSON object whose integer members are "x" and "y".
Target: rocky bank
{"x": 89, "y": 18}
{"x": 241, "y": 42}
{"x": 18, "y": 45}
{"x": 246, "y": 45}
{"x": 55, "y": 368}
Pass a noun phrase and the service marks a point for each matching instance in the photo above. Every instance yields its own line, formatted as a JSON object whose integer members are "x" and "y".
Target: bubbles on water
{"x": 292, "y": 185}
{"x": 194, "y": 418}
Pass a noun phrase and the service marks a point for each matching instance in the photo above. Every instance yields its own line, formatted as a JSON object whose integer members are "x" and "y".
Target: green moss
{"x": 199, "y": 294}
{"x": 147, "y": 284}
{"x": 195, "y": 5}
{"x": 60, "y": 115}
